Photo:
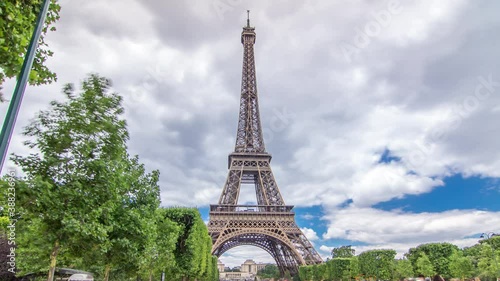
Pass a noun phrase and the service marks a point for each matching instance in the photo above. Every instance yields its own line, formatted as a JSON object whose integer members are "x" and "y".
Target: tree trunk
{"x": 106, "y": 272}
{"x": 53, "y": 261}
{"x": 151, "y": 275}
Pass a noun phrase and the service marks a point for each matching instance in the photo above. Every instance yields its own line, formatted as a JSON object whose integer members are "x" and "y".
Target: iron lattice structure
{"x": 269, "y": 225}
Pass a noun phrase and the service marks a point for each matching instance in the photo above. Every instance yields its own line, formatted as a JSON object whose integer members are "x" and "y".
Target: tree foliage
{"x": 438, "y": 254}
{"x": 132, "y": 221}
{"x": 478, "y": 260}
{"x": 424, "y": 265}
{"x": 306, "y": 272}
{"x": 343, "y": 252}
{"x": 78, "y": 178}
{"x": 461, "y": 266}
{"x": 158, "y": 254}
{"x": 488, "y": 267}
{"x": 377, "y": 263}
{"x": 493, "y": 241}
{"x": 342, "y": 268}
{"x": 193, "y": 246}
{"x": 403, "y": 269}
{"x": 334, "y": 269}
{"x": 17, "y": 22}
{"x": 473, "y": 253}
{"x": 269, "y": 271}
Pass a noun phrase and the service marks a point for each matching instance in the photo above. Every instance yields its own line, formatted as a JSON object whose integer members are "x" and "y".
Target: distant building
{"x": 249, "y": 266}
{"x": 220, "y": 266}
{"x": 248, "y": 270}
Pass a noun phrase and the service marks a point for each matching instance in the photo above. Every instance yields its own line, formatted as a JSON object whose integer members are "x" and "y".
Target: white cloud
{"x": 310, "y": 233}
{"x": 400, "y": 230}
{"x": 307, "y": 216}
{"x": 326, "y": 248}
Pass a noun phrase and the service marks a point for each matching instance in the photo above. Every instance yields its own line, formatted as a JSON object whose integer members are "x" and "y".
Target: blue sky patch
{"x": 387, "y": 157}
{"x": 457, "y": 193}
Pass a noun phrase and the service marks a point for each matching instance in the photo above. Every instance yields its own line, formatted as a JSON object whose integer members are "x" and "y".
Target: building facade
{"x": 247, "y": 271}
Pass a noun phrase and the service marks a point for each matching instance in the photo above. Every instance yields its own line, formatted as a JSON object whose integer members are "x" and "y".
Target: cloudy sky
{"x": 382, "y": 116}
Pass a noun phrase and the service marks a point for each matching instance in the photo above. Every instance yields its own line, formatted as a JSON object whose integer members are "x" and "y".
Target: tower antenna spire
{"x": 248, "y": 18}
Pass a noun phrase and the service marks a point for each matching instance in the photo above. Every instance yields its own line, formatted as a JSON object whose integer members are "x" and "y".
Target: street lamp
{"x": 488, "y": 235}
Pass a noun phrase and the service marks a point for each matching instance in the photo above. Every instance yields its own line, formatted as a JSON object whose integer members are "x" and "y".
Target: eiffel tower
{"x": 269, "y": 225}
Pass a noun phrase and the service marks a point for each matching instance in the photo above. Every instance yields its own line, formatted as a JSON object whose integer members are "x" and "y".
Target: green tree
{"x": 269, "y": 271}
{"x": 210, "y": 274}
{"x": 488, "y": 262}
{"x": 4, "y": 205}
{"x": 319, "y": 272}
{"x": 306, "y": 273}
{"x": 4, "y": 222}
{"x": 343, "y": 252}
{"x": 76, "y": 179}
{"x": 17, "y": 22}
{"x": 403, "y": 269}
{"x": 191, "y": 246}
{"x": 493, "y": 241}
{"x": 461, "y": 266}
{"x": 377, "y": 263}
{"x": 182, "y": 248}
{"x": 131, "y": 221}
{"x": 341, "y": 268}
{"x": 215, "y": 270}
{"x": 158, "y": 255}
{"x": 473, "y": 253}
{"x": 354, "y": 268}
{"x": 28, "y": 231}
{"x": 35, "y": 245}
{"x": 424, "y": 265}
{"x": 438, "y": 254}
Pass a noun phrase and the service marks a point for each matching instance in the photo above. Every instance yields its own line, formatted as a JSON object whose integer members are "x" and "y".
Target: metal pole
{"x": 22, "y": 79}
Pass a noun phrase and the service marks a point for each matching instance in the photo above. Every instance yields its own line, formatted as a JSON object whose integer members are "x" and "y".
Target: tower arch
{"x": 283, "y": 253}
